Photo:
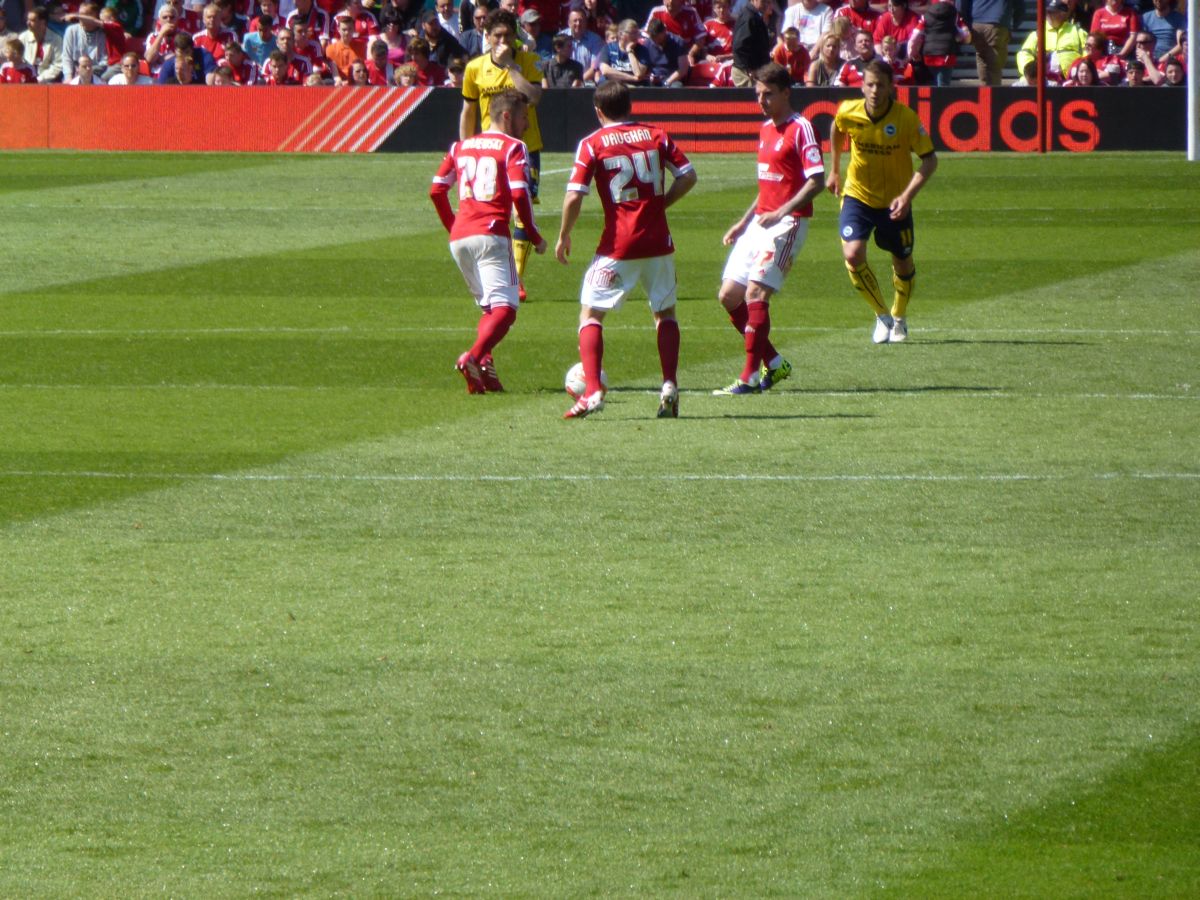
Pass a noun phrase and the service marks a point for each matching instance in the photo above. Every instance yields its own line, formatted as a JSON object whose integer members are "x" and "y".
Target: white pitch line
{"x": 386, "y": 478}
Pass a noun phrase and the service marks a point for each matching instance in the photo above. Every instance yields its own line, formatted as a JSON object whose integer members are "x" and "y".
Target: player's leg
{"x": 734, "y": 284}
{"x": 498, "y": 276}
{"x": 605, "y": 285}
{"x": 659, "y": 279}
{"x": 897, "y": 238}
{"x": 856, "y": 222}
{"x": 468, "y": 254}
{"x": 788, "y": 238}
{"x": 522, "y": 246}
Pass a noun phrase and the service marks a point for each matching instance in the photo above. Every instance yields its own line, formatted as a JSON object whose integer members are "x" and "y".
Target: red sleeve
{"x": 439, "y": 191}
{"x": 518, "y": 183}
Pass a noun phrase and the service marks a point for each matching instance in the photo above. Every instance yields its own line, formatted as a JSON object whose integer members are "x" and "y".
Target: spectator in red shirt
{"x": 1119, "y": 24}
{"x": 792, "y": 55}
{"x": 279, "y": 70}
{"x": 15, "y": 70}
{"x": 379, "y": 68}
{"x": 859, "y": 13}
{"x": 851, "y": 74}
{"x": 899, "y": 22}
{"x": 429, "y": 73}
{"x": 681, "y": 20}
{"x": 214, "y": 36}
{"x": 1082, "y": 74}
{"x": 242, "y": 69}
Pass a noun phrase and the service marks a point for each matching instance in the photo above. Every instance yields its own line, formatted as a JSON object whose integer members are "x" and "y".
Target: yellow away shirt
{"x": 881, "y": 151}
{"x": 483, "y": 79}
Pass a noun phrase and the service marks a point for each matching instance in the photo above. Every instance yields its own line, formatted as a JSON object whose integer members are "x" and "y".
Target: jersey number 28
{"x": 476, "y": 178}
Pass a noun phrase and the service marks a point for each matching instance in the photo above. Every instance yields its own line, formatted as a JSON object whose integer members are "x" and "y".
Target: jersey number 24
{"x": 642, "y": 165}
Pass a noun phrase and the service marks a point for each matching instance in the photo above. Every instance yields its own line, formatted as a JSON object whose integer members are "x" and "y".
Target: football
{"x": 575, "y": 384}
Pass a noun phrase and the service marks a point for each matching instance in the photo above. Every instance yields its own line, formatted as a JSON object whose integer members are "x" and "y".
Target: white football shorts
{"x": 608, "y": 281}
{"x": 487, "y": 265}
{"x": 765, "y": 254}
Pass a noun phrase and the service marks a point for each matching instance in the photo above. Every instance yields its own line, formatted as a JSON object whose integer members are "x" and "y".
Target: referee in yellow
{"x": 503, "y": 67}
{"x": 878, "y": 191}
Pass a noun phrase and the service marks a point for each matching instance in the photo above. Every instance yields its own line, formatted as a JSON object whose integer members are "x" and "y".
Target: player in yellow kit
{"x": 505, "y": 67}
{"x": 878, "y": 190}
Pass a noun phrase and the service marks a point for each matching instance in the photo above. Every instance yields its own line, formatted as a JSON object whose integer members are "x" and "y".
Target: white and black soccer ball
{"x": 576, "y": 384}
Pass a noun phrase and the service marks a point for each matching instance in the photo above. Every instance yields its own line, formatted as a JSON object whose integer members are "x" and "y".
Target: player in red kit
{"x": 492, "y": 171}
{"x": 626, "y": 159}
{"x": 768, "y": 237}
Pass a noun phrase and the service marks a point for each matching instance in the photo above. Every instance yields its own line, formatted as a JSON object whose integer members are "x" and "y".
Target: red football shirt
{"x": 720, "y": 37}
{"x": 626, "y": 159}
{"x": 492, "y": 171}
{"x": 787, "y": 157}
{"x": 17, "y": 73}
{"x": 1116, "y": 26}
{"x": 685, "y": 24}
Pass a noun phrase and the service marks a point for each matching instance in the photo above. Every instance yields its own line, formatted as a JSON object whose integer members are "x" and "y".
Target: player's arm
{"x": 680, "y": 185}
{"x": 902, "y": 204}
{"x": 811, "y": 188}
{"x": 439, "y": 190}
{"x": 572, "y": 204}
{"x": 506, "y": 58}
{"x": 739, "y": 226}
{"x": 833, "y": 178}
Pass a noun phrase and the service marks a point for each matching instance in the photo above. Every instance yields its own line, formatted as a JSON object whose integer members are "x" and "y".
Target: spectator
{"x": 718, "y": 43}
{"x": 243, "y": 70}
{"x": 407, "y": 12}
{"x": 1166, "y": 25}
{"x": 345, "y": 50}
{"x": 269, "y": 10}
{"x": 366, "y": 26}
{"x": 379, "y": 66}
{"x": 230, "y": 20}
{"x": 298, "y": 67}
{"x": 181, "y": 69}
{"x": 792, "y": 55}
{"x": 405, "y": 75}
{"x": 1173, "y": 72}
{"x": 587, "y": 48}
{"x": 442, "y": 45}
{"x": 535, "y": 40}
{"x": 456, "y": 72}
{"x": 844, "y": 32}
{"x": 214, "y": 37}
{"x": 314, "y": 19}
{"x": 812, "y": 19}
{"x": 936, "y": 40}
{"x": 991, "y": 23}
{"x": 1135, "y": 74}
{"x": 5, "y": 33}
{"x": 85, "y": 72}
{"x": 1065, "y": 42}
{"x": 359, "y": 77}
{"x": 128, "y": 14}
{"x": 85, "y": 38}
{"x": 222, "y": 76}
{"x": 260, "y": 42}
{"x": 131, "y": 71}
{"x": 681, "y": 20}
{"x": 43, "y": 48}
{"x": 1105, "y": 58}
{"x": 667, "y": 55}
{"x": 599, "y": 14}
{"x": 280, "y": 71}
{"x": 1119, "y": 24}
{"x": 1082, "y": 74}
{"x": 851, "y": 73}
{"x": 472, "y": 38}
{"x": 889, "y": 52}
{"x": 898, "y": 22}
{"x": 161, "y": 45}
{"x": 823, "y": 70}
{"x": 448, "y": 18}
{"x": 625, "y": 59}
{"x": 560, "y": 70}
{"x": 860, "y": 14}
{"x": 429, "y": 73}
{"x": 14, "y": 69}
{"x": 396, "y": 40}
{"x": 751, "y": 40}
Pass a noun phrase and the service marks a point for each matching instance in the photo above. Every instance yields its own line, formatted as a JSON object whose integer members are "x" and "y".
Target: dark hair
{"x": 612, "y": 99}
{"x": 500, "y": 17}
{"x": 42, "y": 14}
{"x": 774, "y": 75}
{"x": 655, "y": 27}
{"x": 559, "y": 41}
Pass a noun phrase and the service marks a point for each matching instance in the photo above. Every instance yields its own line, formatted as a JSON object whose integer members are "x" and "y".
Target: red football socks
{"x": 668, "y": 348}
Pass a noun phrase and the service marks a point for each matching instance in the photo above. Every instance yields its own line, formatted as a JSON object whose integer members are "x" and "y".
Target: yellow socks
{"x": 904, "y": 289}
{"x": 866, "y": 284}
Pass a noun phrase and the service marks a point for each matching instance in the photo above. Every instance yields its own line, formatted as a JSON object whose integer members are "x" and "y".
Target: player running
{"x": 626, "y": 159}
{"x": 492, "y": 171}
{"x": 878, "y": 191}
{"x": 768, "y": 237}
{"x": 504, "y": 67}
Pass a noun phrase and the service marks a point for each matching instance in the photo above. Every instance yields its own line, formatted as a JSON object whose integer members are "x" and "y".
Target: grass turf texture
{"x": 283, "y": 611}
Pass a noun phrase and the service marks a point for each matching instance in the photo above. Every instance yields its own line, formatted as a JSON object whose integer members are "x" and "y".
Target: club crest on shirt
{"x": 889, "y": 129}
{"x": 814, "y": 155}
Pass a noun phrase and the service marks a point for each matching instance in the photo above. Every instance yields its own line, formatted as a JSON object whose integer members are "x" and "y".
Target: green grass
{"x": 284, "y": 612}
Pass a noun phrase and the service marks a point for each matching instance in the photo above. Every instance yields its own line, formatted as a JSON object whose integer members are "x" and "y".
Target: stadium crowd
{"x": 582, "y": 42}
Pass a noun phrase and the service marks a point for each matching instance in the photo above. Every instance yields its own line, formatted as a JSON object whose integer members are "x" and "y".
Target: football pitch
{"x": 284, "y": 612}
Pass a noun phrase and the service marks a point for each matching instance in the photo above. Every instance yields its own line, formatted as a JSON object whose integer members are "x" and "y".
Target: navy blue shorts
{"x": 857, "y": 221}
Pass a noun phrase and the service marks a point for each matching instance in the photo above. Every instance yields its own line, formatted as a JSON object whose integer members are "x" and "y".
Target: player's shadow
{"x": 909, "y": 389}
{"x": 1005, "y": 342}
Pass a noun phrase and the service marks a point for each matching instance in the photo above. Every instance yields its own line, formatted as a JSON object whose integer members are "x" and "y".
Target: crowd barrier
{"x": 364, "y": 120}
